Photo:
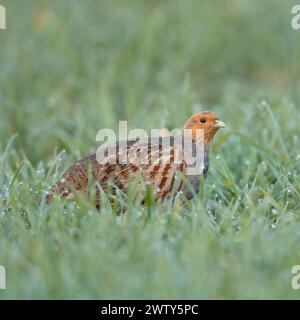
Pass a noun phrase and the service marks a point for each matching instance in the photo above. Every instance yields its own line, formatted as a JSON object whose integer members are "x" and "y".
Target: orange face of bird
{"x": 209, "y": 122}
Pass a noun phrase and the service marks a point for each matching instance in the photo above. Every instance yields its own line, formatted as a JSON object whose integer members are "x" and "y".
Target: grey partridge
{"x": 154, "y": 159}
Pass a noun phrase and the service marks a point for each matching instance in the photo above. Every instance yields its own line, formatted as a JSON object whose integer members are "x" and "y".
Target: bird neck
{"x": 208, "y": 136}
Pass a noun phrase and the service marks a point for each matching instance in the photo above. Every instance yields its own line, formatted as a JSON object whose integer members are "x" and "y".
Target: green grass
{"x": 70, "y": 68}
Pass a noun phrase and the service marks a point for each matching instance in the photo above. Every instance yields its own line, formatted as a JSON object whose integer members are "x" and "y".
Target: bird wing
{"x": 154, "y": 159}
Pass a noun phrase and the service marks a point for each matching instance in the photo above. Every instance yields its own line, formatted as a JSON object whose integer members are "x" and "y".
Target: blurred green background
{"x": 70, "y": 68}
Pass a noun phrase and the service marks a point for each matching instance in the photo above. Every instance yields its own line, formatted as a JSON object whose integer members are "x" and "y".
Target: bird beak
{"x": 220, "y": 124}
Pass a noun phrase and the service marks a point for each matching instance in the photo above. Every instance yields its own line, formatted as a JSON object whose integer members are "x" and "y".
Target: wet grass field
{"x": 70, "y": 68}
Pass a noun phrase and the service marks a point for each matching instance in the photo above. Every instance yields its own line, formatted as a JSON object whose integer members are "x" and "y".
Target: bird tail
{"x": 59, "y": 188}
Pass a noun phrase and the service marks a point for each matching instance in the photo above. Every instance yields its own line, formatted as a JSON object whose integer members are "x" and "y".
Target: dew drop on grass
{"x": 218, "y": 157}
{"x": 263, "y": 103}
{"x": 260, "y": 201}
{"x": 264, "y": 165}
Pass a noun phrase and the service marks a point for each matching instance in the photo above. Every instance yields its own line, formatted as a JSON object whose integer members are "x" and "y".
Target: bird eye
{"x": 202, "y": 120}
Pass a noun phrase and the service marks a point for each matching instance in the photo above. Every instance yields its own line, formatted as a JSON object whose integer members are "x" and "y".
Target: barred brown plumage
{"x": 154, "y": 159}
